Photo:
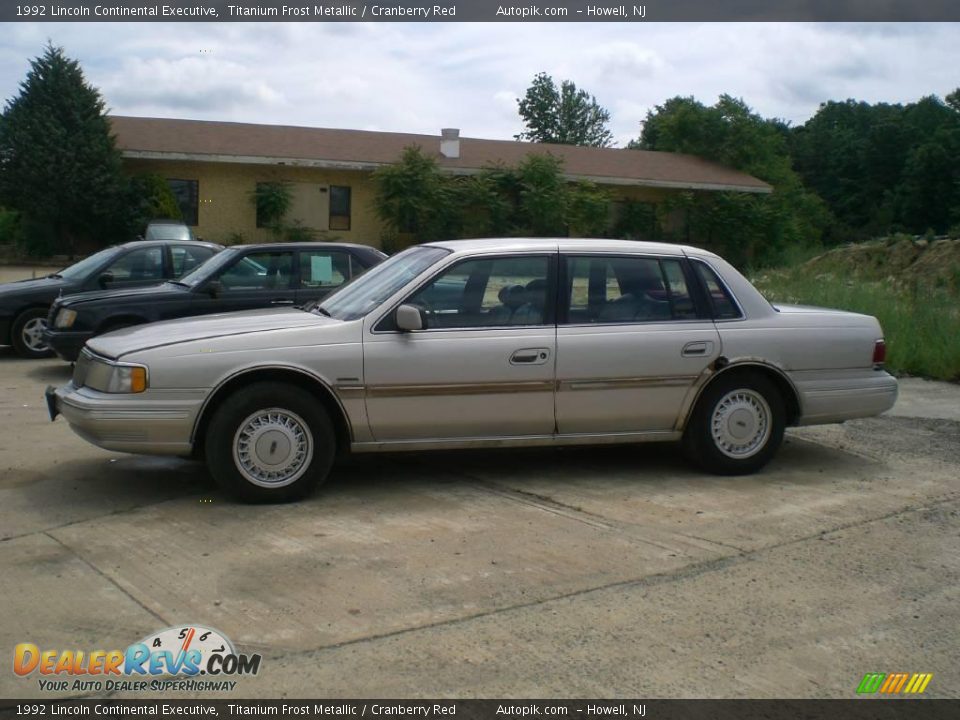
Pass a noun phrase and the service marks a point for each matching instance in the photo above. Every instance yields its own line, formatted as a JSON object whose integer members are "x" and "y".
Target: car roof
{"x": 308, "y": 245}
{"x": 567, "y": 245}
{"x": 169, "y": 241}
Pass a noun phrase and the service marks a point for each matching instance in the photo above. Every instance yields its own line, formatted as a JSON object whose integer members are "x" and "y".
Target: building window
{"x": 187, "y": 193}
{"x": 339, "y": 207}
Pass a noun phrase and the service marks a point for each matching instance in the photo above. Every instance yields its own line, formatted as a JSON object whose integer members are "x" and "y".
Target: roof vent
{"x": 450, "y": 142}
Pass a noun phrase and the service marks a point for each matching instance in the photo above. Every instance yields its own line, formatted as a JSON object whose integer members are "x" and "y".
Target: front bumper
{"x": 67, "y": 345}
{"x": 157, "y": 422}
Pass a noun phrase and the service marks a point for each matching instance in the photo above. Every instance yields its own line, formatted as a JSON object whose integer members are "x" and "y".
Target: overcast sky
{"x": 411, "y": 77}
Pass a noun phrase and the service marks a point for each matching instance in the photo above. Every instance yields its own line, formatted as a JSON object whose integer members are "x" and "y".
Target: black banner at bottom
{"x": 857, "y": 709}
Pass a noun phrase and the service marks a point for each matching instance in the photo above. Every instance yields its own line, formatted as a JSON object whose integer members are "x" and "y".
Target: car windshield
{"x": 80, "y": 270}
{"x": 210, "y": 267}
{"x": 357, "y": 298}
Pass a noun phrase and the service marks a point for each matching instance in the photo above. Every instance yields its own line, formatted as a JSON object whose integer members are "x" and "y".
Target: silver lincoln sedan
{"x": 483, "y": 343}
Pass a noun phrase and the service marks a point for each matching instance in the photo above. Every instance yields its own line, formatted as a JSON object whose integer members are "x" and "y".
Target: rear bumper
{"x": 844, "y": 395}
{"x": 67, "y": 345}
{"x": 153, "y": 423}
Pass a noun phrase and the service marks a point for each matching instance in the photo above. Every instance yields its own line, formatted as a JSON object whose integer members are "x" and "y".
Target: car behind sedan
{"x": 24, "y": 305}
{"x": 243, "y": 277}
{"x": 483, "y": 343}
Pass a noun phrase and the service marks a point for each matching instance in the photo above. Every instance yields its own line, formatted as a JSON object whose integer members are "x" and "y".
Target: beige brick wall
{"x": 226, "y": 210}
{"x": 226, "y": 213}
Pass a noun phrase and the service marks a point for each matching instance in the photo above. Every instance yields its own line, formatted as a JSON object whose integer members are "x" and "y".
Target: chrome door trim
{"x": 516, "y": 441}
{"x": 626, "y": 382}
{"x": 521, "y": 386}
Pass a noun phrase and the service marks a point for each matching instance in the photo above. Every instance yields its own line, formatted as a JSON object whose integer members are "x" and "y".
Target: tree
{"x": 883, "y": 168}
{"x": 59, "y": 166}
{"x": 414, "y": 198}
{"x": 567, "y": 116}
{"x": 152, "y": 199}
{"x": 953, "y": 100}
{"x": 747, "y": 228}
{"x": 272, "y": 201}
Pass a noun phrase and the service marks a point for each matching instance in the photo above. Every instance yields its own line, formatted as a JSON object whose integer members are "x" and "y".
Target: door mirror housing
{"x": 410, "y": 318}
{"x": 105, "y": 279}
{"x": 214, "y": 288}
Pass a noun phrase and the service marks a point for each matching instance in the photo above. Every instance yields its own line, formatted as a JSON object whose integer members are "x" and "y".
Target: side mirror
{"x": 410, "y": 318}
{"x": 214, "y": 288}
{"x": 105, "y": 279}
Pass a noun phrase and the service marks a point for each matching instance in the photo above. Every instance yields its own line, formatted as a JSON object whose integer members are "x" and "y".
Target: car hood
{"x": 30, "y": 284}
{"x": 158, "y": 292}
{"x": 204, "y": 327}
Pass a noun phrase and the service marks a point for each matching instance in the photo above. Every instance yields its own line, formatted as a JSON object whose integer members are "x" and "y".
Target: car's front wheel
{"x": 270, "y": 442}
{"x": 736, "y": 426}
{"x": 27, "y": 334}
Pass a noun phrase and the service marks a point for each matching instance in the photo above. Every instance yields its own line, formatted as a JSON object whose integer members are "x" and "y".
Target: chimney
{"x": 450, "y": 142}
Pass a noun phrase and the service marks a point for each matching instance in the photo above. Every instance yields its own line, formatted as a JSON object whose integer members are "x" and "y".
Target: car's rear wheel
{"x": 270, "y": 442}
{"x": 736, "y": 426}
{"x": 26, "y": 335}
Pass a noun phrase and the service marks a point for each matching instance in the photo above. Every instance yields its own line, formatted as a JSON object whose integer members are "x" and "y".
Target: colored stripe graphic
{"x": 918, "y": 683}
{"x": 894, "y": 683}
{"x": 871, "y": 682}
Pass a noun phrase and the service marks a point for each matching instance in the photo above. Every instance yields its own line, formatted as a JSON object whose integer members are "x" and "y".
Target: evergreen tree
{"x": 59, "y": 166}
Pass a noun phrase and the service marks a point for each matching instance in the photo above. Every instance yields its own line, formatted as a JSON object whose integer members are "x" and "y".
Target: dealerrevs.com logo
{"x": 174, "y": 658}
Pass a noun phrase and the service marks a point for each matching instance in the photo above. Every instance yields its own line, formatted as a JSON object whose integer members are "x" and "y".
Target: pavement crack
{"x": 79, "y": 521}
{"x": 573, "y": 512}
{"x": 109, "y": 579}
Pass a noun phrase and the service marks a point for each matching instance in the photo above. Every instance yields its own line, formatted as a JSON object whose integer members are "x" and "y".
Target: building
{"x": 214, "y": 169}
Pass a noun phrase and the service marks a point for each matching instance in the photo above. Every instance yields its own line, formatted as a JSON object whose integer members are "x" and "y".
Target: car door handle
{"x": 281, "y": 301}
{"x": 697, "y": 349}
{"x": 530, "y": 356}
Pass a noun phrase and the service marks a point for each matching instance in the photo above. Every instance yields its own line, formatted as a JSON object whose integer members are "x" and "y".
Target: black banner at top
{"x": 481, "y": 11}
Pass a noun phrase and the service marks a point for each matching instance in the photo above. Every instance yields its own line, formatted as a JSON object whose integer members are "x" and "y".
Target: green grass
{"x": 920, "y": 324}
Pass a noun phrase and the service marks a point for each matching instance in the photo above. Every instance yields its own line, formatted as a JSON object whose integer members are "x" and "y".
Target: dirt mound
{"x": 901, "y": 258}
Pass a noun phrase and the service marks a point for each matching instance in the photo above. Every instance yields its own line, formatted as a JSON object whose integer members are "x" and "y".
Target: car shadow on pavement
{"x": 645, "y": 466}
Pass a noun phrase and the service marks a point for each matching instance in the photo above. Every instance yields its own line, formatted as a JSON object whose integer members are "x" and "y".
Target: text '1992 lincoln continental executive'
{"x": 477, "y": 343}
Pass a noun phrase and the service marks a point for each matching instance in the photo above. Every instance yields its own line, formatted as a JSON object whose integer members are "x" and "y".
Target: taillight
{"x": 879, "y": 352}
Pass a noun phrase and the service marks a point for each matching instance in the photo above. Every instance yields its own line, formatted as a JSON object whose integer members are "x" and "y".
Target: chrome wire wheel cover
{"x": 32, "y": 334}
{"x": 273, "y": 447}
{"x": 741, "y": 424}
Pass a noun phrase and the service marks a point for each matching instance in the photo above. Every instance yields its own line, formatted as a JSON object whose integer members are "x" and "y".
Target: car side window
{"x": 721, "y": 301}
{"x": 494, "y": 292}
{"x": 605, "y": 289}
{"x": 138, "y": 265}
{"x": 187, "y": 257}
{"x": 681, "y": 303}
{"x": 324, "y": 269}
{"x": 264, "y": 270}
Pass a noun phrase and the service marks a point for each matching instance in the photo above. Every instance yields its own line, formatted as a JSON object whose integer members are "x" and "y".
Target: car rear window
{"x": 722, "y": 304}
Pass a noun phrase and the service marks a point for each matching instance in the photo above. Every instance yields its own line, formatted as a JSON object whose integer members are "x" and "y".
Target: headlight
{"x": 127, "y": 379}
{"x": 65, "y": 318}
{"x": 110, "y": 377}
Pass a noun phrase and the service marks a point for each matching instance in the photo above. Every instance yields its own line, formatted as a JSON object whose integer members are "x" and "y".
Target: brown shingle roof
{"x": 227, "y": 141}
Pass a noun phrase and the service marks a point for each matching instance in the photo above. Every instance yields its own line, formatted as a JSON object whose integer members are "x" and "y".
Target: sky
{"x": 419, "y": 77}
